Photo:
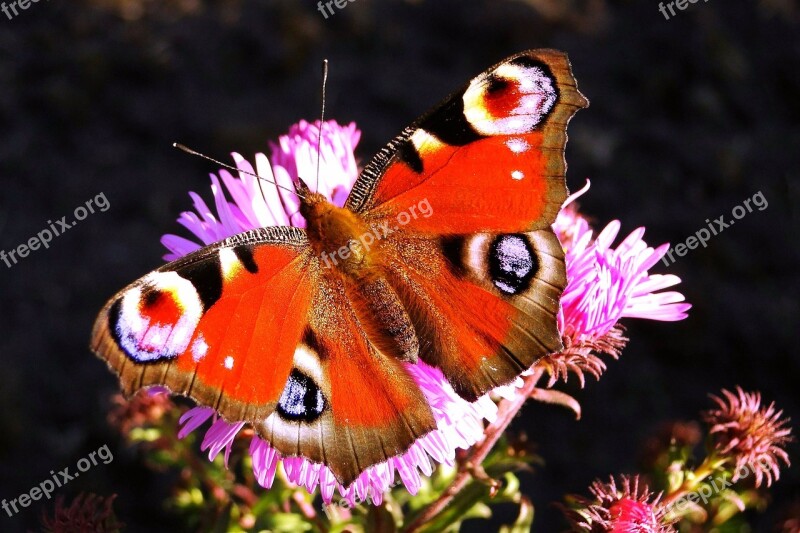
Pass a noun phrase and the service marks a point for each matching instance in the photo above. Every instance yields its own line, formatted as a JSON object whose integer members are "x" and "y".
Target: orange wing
{"x": 489, "y": 158}
{"x": 254, "y": 328}
{"x": 347, "y": 405}
{"x": 483, "y": 306}
{"x": 464, "y": 199}
{"x": 219, "y": 325}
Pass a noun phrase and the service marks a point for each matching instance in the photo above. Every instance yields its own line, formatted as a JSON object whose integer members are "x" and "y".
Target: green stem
{"x": 693, "y": 480}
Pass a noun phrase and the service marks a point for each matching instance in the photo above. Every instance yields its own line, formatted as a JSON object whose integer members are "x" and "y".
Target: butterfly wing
{"x": 346, "y": 404}
{"x": 219, "y": 325}
{"x": 488, "y": 158}
{"x": 254, "y": 328}
{"x": 464, "y": 199}
{"x": 483, "y": 305}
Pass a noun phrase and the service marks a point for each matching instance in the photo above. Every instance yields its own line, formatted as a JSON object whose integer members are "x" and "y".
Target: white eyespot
{"x": 228, "y": 362}
{"x": 517, "y": 175}
{"x": 307, "y": 361}
{"x": 535, "y": 93}
{"x": 476, "y": 253}
{"x": 140, "y": 338}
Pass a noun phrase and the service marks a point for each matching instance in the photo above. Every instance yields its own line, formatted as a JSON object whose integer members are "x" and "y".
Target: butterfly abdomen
{"x": 383, "y": 316}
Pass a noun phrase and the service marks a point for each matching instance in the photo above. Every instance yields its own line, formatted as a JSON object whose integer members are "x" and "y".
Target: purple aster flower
{"x": 258, "y": 203}
{"x": 605, "y": 284}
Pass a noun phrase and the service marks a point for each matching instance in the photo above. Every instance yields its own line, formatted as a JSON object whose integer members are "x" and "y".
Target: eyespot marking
{"x": 450, "y": 125}
{"x": 453, "y": 251}
{"x": 245, "y": 255}
{"x": 207, "y": 278}
{"x": 301, "y": 400}
{"x": 156, "y": 320}
{"x": 408, "y": 153}
{"x": 512, "y": 263}
{"x": 515, "y": 98}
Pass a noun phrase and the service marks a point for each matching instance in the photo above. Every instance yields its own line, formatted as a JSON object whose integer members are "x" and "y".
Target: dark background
{"x": 689, "y": 117}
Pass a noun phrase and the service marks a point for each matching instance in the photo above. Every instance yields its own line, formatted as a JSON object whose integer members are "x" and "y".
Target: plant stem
{"x": 709, "y": 466}
{"x": 506, "y": 411}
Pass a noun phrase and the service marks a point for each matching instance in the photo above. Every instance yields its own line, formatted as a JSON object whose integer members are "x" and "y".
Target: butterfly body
{"x": 350, "y": 252}
{"x": 443, "y": 254}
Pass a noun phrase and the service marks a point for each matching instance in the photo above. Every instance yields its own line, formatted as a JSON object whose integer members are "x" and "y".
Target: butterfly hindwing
{"x": 359, "y": 406}
{"x": 483, "y": 305}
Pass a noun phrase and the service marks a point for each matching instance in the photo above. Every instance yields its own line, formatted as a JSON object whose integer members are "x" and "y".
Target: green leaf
{"x": 524, "y": 521}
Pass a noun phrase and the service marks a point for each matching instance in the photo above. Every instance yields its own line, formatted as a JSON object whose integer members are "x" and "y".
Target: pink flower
{"x": 750, "y": 434}
{"x": 605, "y": 284}
{"x": 619, "y": 508}
{"x": 258, "y": 203}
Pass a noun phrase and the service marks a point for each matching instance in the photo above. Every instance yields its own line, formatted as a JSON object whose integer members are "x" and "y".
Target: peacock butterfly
{"x": 265, "y": 328}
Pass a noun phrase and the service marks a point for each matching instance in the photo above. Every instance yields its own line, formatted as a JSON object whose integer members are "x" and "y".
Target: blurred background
{"x": 689, "y": 117}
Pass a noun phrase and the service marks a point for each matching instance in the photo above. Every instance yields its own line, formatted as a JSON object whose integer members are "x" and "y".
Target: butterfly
{"x": 306, "y": 333}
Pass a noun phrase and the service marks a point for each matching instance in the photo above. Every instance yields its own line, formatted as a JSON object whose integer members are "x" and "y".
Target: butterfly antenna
{"x": 188, "y": 150}
{"x": 321, "y": 119}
